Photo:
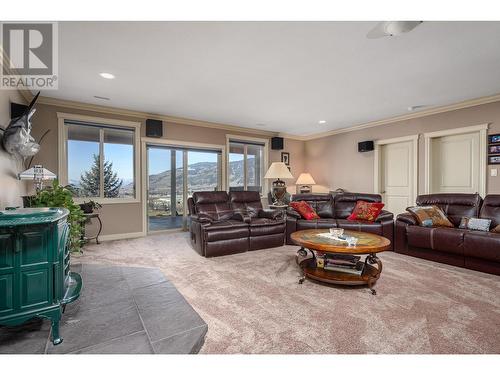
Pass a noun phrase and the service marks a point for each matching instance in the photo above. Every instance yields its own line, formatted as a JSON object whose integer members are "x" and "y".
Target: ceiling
{"x": 276, "y": 76}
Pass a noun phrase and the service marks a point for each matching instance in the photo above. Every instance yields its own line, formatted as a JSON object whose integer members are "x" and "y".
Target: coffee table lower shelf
{"x": 369, "y": 276}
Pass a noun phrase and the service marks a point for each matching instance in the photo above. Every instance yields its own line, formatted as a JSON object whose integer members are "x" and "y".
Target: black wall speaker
{"x": 276, "y": 143}
{"x": 154, "y": 128}
{"x": 365, "y": 146}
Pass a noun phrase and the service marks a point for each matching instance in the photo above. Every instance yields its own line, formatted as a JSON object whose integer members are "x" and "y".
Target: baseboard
{"x": 121, "y": 236}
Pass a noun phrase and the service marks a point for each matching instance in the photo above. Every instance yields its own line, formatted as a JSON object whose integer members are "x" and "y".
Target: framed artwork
{"x": 494, "y": 138}
{"x": 285, "y": 158}
{"x": 492, "y": 149}
{"x": 494, "y": 159}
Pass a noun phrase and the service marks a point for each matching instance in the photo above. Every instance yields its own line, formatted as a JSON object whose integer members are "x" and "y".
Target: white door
{"x": 397, "y": 177}
{"x": 454, "y": 164}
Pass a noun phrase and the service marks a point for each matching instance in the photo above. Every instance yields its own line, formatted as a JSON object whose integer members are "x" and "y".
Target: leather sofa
{"x": 333, "y": 212}
{"x": 459, "y": 247}
{"x": 223, "y": 223}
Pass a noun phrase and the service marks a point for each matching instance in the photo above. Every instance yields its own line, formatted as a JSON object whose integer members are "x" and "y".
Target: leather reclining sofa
{"x": 476, "y": 250}
{"x": 223, "y": 223}
{"x": 333, "y": 212}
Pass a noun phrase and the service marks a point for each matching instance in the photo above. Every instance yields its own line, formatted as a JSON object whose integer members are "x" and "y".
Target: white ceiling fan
{"x": 392, "y": 28}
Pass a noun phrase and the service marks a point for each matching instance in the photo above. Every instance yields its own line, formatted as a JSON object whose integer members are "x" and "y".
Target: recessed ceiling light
{"x": 107, "y": 75}
{"x": 101, "y": 97}
{"x": 322, "y": 122}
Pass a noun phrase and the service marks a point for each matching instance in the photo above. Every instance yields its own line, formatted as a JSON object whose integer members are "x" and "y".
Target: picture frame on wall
{"x": 285, "y": 158}
{"x": 494, "y": 159}
{"x": 494, "y": 139}
{"x": 494, "y": 149}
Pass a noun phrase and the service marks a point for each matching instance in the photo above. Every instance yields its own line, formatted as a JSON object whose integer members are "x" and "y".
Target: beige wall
{"x": 127, "y": 218}
{"x": 11, "y": 189}
{"x": 334, "y": 161}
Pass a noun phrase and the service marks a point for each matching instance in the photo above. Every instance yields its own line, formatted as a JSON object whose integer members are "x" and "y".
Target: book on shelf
{"x": 356, "y": 270}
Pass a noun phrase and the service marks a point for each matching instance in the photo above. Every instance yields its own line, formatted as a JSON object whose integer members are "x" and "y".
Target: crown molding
{"x": 392, "y": 120}
{"x": 184, "y": 121}
{"x": 144, "y": 115}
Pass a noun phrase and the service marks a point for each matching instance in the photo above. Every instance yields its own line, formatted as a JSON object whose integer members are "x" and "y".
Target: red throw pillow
{"x": 305, "y": 210}
{"x": 366, "y": 211}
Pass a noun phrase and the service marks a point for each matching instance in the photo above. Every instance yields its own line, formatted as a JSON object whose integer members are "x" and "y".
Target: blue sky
{"x": 80, "y": 158}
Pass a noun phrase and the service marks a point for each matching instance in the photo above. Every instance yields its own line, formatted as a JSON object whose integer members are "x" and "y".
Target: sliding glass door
{"x": 165, "y": 188}
{"x": 174, "y": 174}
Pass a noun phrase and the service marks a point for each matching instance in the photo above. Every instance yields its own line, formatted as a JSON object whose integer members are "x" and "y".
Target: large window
{"x": 246, "y": 165}
{"x": 100, "y": 160}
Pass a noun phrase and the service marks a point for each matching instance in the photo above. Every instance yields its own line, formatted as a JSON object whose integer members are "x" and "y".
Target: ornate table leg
{"x": 302, "y": 253}
{"x": 373, "y": 259}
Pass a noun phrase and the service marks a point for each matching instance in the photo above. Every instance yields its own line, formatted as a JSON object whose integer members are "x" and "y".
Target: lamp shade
{"x": 305, "y": 179}
{"x": 278, "y": 170}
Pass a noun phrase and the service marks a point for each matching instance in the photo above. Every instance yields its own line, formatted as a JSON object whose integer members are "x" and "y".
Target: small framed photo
{"x": 285, "y": 158}
{"x": 494, "y": 159}
{"x": 494, "y": 138}
{"x": 494, "y": 149}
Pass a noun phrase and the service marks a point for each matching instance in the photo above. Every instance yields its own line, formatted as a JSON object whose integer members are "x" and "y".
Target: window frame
{"x": 242, "y": 139}
{"x": 105, "y": 122}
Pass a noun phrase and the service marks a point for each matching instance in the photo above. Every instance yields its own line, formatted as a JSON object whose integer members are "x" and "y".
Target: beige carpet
{"x": 253, "y": 303}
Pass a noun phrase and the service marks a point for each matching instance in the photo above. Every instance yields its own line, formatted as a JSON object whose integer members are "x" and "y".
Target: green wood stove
{"x": 35, "y": 276}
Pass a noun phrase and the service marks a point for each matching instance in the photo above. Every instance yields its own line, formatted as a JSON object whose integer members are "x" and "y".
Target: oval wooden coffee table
{"x": 368, "y": 244}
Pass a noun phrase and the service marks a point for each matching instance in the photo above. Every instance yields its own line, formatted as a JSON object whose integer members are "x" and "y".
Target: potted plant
{"x": 89, "y": 207}
{"x": 61, "y": 196}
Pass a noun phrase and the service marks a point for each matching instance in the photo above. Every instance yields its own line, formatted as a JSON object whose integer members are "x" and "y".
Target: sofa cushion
{"x": 430, "y": 216}
{"x": 322, "y": 203}
{"x": 214, "y": 204}
{"x": 367, "y": 211}
{"x": 226, "y": 230}
{"x": 305, "y": 210}
{"x": 246, "y": 202}
{"x": 473, "y": 223}
{"x": 360, "y": 226}
{"x": 491, "y": 209}
{"x": 316, "y": 224}
{"x": 449, "y": 240}
{"x": 496, "y": 229}
{"x": 483, "y": 245}
{"x": 344, "y": 203}
{"x": 263, "y": 226}
{"x": 454, "y": 205}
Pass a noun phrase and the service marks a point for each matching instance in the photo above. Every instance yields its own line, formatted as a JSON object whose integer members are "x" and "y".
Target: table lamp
{"x": 278, "y": 171}
{"x": 304, "y": 183}
{"x": 38, "y": 174}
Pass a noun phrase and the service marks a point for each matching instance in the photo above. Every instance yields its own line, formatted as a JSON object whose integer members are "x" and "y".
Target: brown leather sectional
{"x": 459, "y": 247}
{"x": 223, "y": 223}
{"x": 333, "y": 212}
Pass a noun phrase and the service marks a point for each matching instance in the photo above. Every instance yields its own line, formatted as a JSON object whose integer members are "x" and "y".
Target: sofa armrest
{"x": 407, "y": 218}
{"x": 290, "y": 212}
{"x": 241, "y": 217}
{"x": 201, "y": 218}
{"x": 384, "y": 216}
{"x": 270, "y": 214}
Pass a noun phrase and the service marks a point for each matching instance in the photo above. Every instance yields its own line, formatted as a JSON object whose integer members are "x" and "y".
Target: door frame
{"x": 482, "y": 130}
{"x": 145, "y": 141}
{"x": 377, "y": 159}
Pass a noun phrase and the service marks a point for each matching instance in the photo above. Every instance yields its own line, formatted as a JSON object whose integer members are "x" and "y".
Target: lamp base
{"x": 279, "y": 192}
{"x": 304, "y": 189}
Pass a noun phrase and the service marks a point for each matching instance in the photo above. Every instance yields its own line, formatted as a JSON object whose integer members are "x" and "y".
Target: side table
{"x": 87, "y": 220}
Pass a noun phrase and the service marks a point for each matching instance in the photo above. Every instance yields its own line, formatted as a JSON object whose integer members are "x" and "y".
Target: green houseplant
{"x": 90, "y": 206}
{"x": 61, "y": 196}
